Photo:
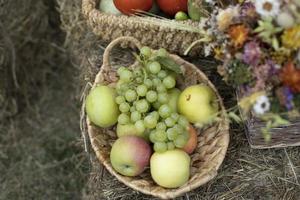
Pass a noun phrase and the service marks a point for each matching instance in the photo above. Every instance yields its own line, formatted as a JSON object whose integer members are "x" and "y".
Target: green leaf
{"x": 235, "y": 117}
{"x": 170, "y": 64}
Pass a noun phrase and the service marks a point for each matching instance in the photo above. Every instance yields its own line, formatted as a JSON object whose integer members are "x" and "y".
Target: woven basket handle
{"x": 88, "y": 6}
{"x": 109, "y": 48}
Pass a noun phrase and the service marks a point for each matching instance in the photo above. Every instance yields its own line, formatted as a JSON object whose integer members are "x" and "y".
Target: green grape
{"x": 118, "y": 85}
{"x": 161, "y": 136}
{"x": 162, "y": 74}
{"x": 156, "y": 105}
{"x": 172, "y": 134}
{"x": 123, "y": 119}
{"x": 139, "y": 80}
{"x": 162, "y": 52}
{"x": 124, "y": 87}
{"x": 130, "y": 95}
{"x": 154, "y": 67}
{"x": 135, "y": 116}
{"x": 169, "y": 82}
{"x": 120, "y": 70}
{"x": 146, "y": 52}
{"x": 178, "y": 128}
{"x": 180, "y": 141}
{"x": 132, "y": 109}
{"x": 161, "y": 126}
{"x": 163, "y": 98}
{"x": 170, "y": 145}
{"x": 124, "y": 107}
{"x": 155, "y": 114}
{"x": 161, "y": 88}
{"x": 182, "y": 121}
{"x": 170, "y": 122}
{"x": 160, "y": 147}
{"x": 186, "y": 134}
{"x": 141, "y": 90}
{"x": 152, "y": 136}
{"x": 175, "y": 116}
{"x": 142, "y": 106}
{"x": 156, "y": 82}
{"x": 150, "y": 121}
{"x": 148, "y": 83}
{"x": 151, "y": 96}
{"x": 137, "y": 73}
{"x": 126, "y": 76}
{"x": 164, "y": 111}
{"x": 120, "y": 99}
{"x": 139, "y": 125}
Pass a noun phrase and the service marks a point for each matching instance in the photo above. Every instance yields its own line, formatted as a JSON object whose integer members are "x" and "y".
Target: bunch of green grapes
{"x": 143, "y": 101}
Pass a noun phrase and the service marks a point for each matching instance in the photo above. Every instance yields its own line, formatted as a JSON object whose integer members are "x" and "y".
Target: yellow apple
{"x": 130, "y": 155}
{"x": 198, "y": 103}
{"x": 101, "y": 107}
{"x": 170, "y": 169}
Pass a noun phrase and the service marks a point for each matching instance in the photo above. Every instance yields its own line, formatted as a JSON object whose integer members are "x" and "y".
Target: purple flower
{"x": 252, "y": 53}
{"x": 287, "y": 92}
{"x": 248, "y": 10}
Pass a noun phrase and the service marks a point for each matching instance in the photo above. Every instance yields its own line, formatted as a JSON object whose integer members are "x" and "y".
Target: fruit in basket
{"x": 129, "y": 7}
{"x": 191, "y": 145}
{"x": 171, "y": 7}
{"x": 198, "y": 103}
{"x": 173, "y": 98}
{"x": 181, "y": 16}
{"x": 108, "y": 6}
{"x": 170, "y": 169}
{"x": 101, "y": 107}
{"x": 129, "y": 129}
{"x": 130, "y": 155}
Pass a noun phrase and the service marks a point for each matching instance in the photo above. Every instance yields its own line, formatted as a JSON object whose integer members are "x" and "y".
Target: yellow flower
{"x": 291, "y": 37}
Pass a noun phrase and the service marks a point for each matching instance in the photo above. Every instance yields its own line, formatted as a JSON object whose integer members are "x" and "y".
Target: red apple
{"x": 129, "y": 7}
{"x": 130, "y": 155}
{"x": 171, "y": 7}
{"x": 192, "y": 142}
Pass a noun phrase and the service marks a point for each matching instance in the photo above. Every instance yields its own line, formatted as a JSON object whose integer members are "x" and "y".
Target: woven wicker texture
{"x": 110, "y": 27}
{"x": 212, "y": 141}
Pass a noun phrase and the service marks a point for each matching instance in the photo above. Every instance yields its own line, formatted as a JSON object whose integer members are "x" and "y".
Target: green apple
{"x": 170, "y": 169}
{"x": 130, "y": 155}
{"x": 198, "y": 103}
{"x": 101, "y": 107}
{"x": 129, "y": 129}
{"x": 173, "y": 98}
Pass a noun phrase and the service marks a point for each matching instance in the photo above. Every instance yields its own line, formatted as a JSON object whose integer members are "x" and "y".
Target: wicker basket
{"x": 281, "y": 137}
{"x": 110, "y": 27}
{"x": 212, "y": 141}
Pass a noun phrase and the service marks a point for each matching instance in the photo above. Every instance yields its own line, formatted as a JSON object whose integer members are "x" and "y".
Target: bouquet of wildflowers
{"x": 258, "y": 43}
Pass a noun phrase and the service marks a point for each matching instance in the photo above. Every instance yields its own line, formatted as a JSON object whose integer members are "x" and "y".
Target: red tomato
{"x": 171, "y": 7}
{"x": 128, "y": 7}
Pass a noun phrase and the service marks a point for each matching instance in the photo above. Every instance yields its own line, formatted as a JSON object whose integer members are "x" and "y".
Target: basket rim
{"x": 208, "y": 174}
{"x": 92, "y": 14}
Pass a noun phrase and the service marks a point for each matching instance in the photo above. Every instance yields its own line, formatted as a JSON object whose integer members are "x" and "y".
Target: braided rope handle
{"x": 106, "y": 55}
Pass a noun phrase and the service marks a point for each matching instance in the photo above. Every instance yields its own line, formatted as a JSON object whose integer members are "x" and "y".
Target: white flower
{"x": 261, "y": 105}
{"x": 267, "y": 8}
{"x": 225, "y": 17}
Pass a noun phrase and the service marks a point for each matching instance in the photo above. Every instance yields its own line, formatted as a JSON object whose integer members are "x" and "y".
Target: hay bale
{"x": 272, "y": 174}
